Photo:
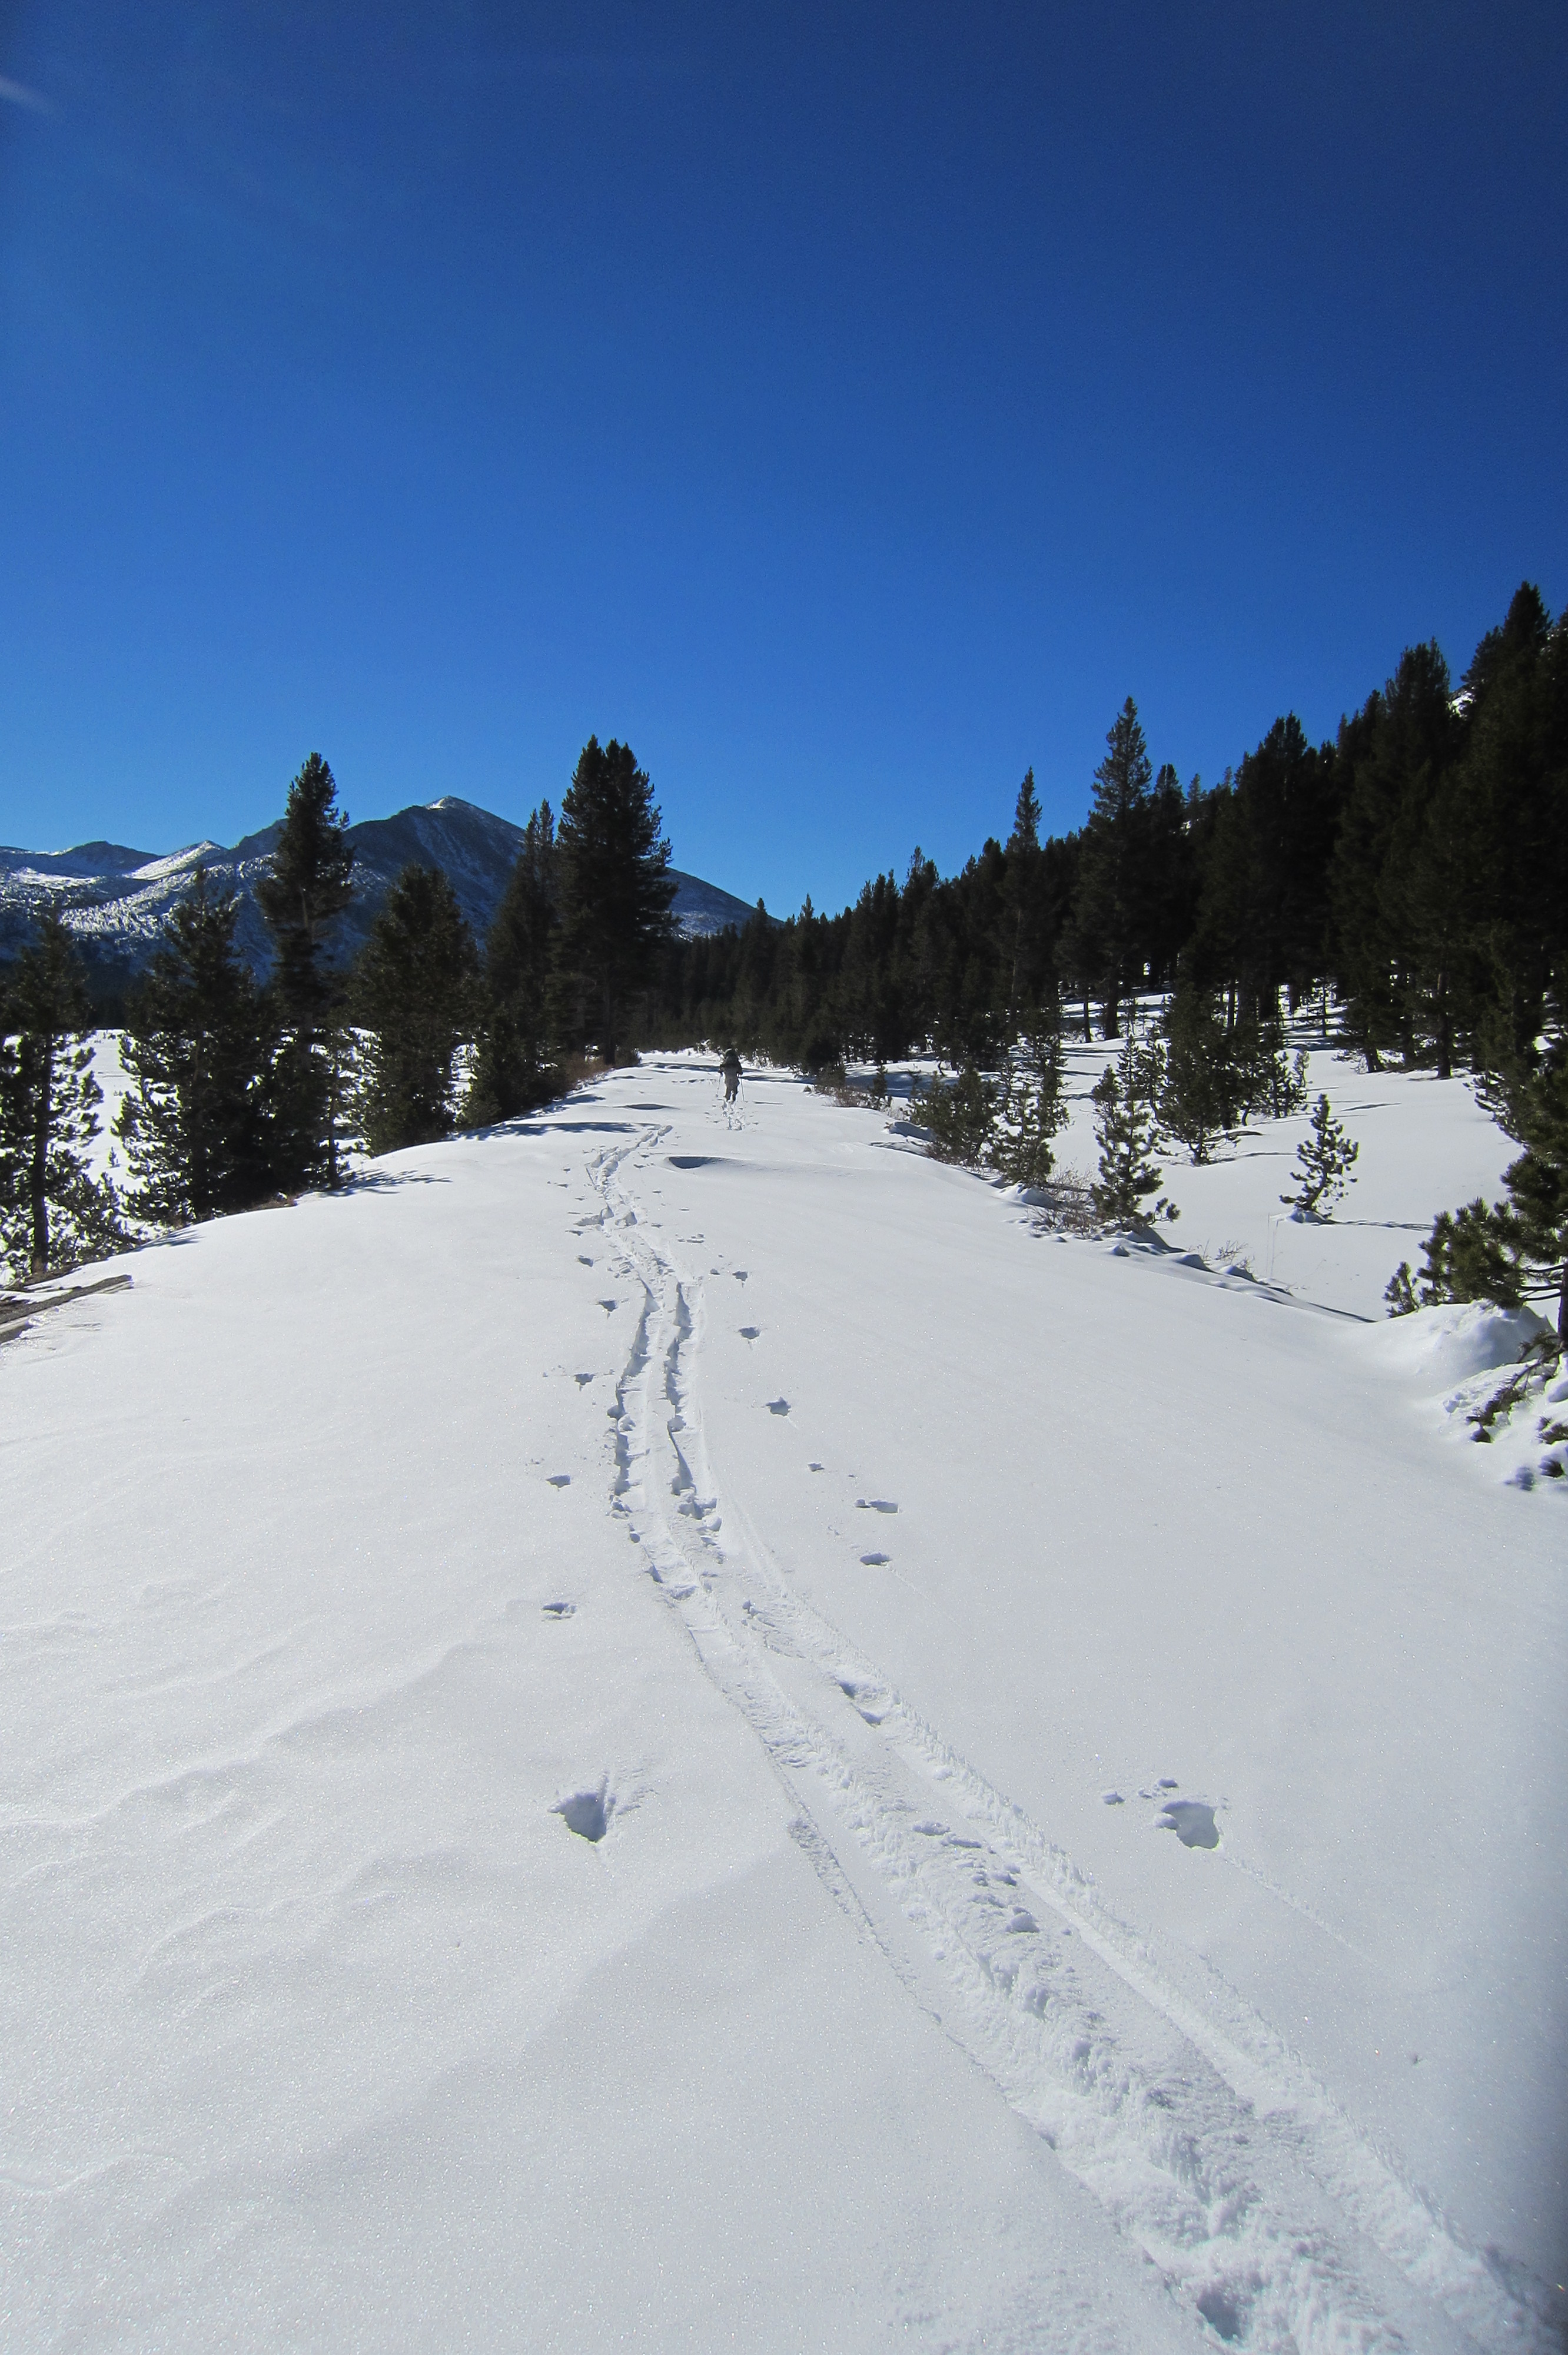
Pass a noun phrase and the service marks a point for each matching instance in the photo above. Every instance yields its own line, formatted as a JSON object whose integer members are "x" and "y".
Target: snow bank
{"x": 1432, "y": 1348}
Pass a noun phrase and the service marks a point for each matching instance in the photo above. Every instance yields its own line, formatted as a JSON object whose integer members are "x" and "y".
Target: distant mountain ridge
{"x": 115, "y": 899}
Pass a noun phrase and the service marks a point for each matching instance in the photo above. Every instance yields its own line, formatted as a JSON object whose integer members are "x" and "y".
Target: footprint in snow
{"x": 739, "y": 1273}
{"x": 1022, "y": 1920}
{"x": 816, "y": 1467}
{"x": 560, "y": 1480}
{"x": 875, "y": 1560}
{"x": 1192, "y": 1823}
{"x": 587, "y": 1813}
{"x": 609, "y": 1306}
{"x": 871, "y": 1703}
{"x": 1226, "y": 2314}
{"x": 750, "y": 1332}
{"x": 779, "y": 1406}
{"x": 584, "y": 1261}
{"x": 1112, "y": 1799}
{"x": 558, "y": 1609}
{"x": 583, "y": 1380}
{"x": 875, "y": 1504}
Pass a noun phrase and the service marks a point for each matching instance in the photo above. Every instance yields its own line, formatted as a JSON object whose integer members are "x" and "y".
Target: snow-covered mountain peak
{"x": 116, "y": 898}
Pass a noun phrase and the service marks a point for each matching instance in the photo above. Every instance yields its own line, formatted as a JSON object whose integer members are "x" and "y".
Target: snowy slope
{"x": 1078, "y": 1754}
{"x": 115, "y": 899}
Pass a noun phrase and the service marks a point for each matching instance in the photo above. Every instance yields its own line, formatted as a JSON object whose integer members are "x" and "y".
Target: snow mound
{"x": 1440, "y": 1347}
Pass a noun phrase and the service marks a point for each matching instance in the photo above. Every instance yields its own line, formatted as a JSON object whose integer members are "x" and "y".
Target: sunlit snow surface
{"x": 672, "y": 1730}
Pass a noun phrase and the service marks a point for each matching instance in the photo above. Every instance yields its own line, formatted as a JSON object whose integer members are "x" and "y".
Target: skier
{"x": 730, "y": 1067}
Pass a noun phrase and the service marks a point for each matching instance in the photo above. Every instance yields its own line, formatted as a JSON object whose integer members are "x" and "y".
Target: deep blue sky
{"x": 848, "y": 405}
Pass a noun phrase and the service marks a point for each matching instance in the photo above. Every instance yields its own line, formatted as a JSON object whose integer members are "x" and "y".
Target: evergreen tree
{"x": 1323, "y": 1163}
{"x": 514, "y": 1068}
{"x": 53, "y": 1212}
{"x": 1502, "y": 1251}
{"x": 1127, "y": 1133}
{"x": 1534, "y": 1113}
{"x": 615, "y": 895}
{"x": 1034, "y": 1104}
{"x": 1512, "y": 851}
{"x": 1394, "y": 755}
{"x": 1030, "y": 976}
{"x": 961, "y": 1114}
{"x": 1472, "y": 1254}
{"x": 414, "y": 989}
{"x": 1197, "y": 1096}
{"x": 199, "y": 1050}
{"x": 303, "y": 895}
{"x": 1102, "y": 936}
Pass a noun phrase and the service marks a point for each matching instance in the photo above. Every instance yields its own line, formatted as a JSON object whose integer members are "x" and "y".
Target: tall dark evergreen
{"x": 1102, "y": 942}
{"x": 1032, "y": 979}
{"x": 200, "y": 1050}
{"x": 302, "y": 896}
{"x": 1394, "y": 755}
{"x": 615, "y": 896}
{"x": 53, "y": 1212}
{"x": 1513, "y": 826}
{"x": 414, "y": 990}
{"x": 513, "y": 1064}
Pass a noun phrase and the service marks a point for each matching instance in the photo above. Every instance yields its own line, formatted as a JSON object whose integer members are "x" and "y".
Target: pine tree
{"x": 1102, "y": 934}
{"x": 1472, "y": 1254}
{"x": 414, "y": 990}
{"x": 615, "y": 895}
{"x": 1127, "y": 1134}
{"x": 53, "y": 1212}
{"x": 1323, "y": 1165}
{"x": 1197, "y": 1096}
{"x": 1031, "y": 982}
{"x": 961, "y": 1115}
{"x": 1502, "y": 1251}
{"x": 199, "y": 1049}
{"x": 1534, "y": 1113}
{"x": 514, "y": 1067}
{"x": 1034, "y": 1103}
{"x": 302, "y": 896}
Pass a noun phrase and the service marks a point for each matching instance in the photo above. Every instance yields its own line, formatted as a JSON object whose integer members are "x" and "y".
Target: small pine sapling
{"x": 1034, "y": 1104}
{"x": 961, "y": 1114}
{"x": 1127, "y": 1138}
{"x": 1323, "y": 1165}
{"x": 1198, "y": 1082}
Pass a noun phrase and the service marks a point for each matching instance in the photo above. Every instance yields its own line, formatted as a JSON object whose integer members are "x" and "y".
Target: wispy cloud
{"x": 20, "y": 95}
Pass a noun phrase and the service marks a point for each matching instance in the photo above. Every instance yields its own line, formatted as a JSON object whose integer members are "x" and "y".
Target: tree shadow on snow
{"x": 384, "y": 1181}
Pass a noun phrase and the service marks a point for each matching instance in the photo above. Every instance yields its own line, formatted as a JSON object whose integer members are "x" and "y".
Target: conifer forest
{"x": 1412, "y": 874}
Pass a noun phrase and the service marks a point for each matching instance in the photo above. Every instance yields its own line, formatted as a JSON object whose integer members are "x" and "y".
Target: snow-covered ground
{"x": 1076, "y": 1738}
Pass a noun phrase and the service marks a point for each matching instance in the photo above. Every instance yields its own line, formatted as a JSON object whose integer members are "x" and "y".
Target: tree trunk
{"x": 39, "y": 1167}
{"x": 1445, "y": 1031}
{"x": 1563, "y": 1308}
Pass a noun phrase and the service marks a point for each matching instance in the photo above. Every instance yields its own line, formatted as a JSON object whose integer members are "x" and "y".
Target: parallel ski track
{"x": 1200, "y": 2132}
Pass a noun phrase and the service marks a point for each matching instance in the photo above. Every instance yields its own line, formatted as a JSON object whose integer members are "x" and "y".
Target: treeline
{"x": 243, "y": 1092}
{"x": 1416, "y": 866}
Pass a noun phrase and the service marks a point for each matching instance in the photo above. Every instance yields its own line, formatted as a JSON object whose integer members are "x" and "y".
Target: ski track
{"x": 1201, "y": 2133}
